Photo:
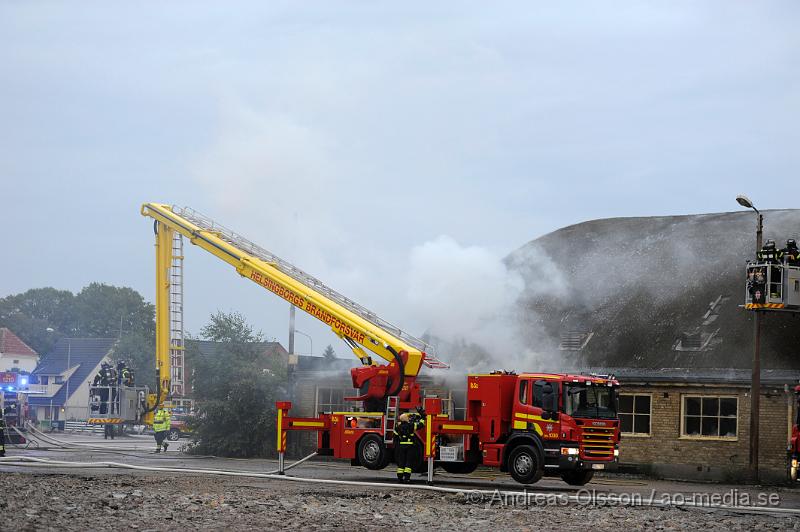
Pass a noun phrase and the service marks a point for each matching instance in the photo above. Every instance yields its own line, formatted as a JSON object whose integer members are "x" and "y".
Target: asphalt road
{"x": 137, "y": 450}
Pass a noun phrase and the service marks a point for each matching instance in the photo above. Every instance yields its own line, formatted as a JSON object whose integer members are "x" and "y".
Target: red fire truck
{"x": 529, "y": 425}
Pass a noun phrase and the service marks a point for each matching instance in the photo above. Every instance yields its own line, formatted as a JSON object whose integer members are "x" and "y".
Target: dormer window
{"x": 574, "y": 340}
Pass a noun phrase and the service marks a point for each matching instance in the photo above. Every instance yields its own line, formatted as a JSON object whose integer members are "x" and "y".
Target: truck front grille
{"x": 597, "y": 443}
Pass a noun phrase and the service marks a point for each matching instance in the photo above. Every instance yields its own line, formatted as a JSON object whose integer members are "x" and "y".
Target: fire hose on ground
{"x": 26, "y": 461}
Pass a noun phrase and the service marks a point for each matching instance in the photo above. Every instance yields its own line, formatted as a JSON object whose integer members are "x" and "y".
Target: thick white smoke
{"x": 467, "y": 298}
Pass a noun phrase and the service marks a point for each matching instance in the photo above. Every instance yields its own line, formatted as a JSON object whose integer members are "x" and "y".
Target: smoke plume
{"x": 468, "y": 298}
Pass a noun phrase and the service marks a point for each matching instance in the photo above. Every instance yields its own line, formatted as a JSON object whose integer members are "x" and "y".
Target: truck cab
{"x": 537, "y": 424}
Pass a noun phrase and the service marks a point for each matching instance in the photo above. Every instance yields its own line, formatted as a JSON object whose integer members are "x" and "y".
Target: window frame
{"x": 634, "y": 414}
{"x": 684, "y": 436}
{"x": 524, "y": 393}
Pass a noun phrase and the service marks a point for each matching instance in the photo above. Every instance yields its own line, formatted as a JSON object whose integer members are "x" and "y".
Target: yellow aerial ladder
{"x": 360, "y": 328}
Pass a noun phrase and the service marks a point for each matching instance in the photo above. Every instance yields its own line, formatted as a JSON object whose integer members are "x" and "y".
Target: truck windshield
{"x": 592, "y": 401}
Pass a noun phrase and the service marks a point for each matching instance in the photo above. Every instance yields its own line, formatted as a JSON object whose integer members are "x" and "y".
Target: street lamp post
{"x": 755, "y": 378}
{"x": 69, "y": 365}
{"x": 298, "y": 331}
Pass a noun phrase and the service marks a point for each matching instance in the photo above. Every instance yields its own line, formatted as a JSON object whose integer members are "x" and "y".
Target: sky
{"x": 382, "y": 146}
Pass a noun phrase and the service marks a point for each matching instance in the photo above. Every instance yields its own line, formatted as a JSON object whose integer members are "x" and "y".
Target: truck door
{"x": 537, "y": 408}
{"x": 546, "y": 397}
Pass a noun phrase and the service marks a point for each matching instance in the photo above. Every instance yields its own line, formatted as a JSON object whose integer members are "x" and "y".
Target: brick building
{"x": 680, "y": 423}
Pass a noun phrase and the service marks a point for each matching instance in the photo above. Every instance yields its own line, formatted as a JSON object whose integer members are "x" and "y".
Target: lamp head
{"x": 744, "y": 201}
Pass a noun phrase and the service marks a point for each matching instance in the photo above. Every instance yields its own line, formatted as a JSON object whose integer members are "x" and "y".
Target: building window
{"x": 574, "y": 340}
{"x": 16, "y": 362}
{"x": 332, "y": 400}
{"x": 709, "y": 416}
{"x": 59, "y": 379}
{"x": 634, "y": 411}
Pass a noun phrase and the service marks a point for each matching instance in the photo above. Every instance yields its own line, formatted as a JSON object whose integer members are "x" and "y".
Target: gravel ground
{"x": 80, "y": 502}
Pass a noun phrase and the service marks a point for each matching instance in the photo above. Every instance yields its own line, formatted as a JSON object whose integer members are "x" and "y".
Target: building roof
{"x": 322, "y": 364}
{"x": 10, "y": 344}
{"x": 83, "y": 353}
{"x": 769, "y": 377}
{"x": 212, "y": 349}
{"x": 653, "y": 292}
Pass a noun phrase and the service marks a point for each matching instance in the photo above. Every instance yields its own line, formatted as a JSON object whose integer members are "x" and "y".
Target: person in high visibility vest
{"x": 161, "y": 425}
{"x": 405, "y": 452}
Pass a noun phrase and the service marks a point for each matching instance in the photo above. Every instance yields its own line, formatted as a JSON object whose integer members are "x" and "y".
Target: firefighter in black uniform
{"x": 104, "y": 378}
{"x": 126, "y": 376}
{"x": 102, "y": 394}
{"x": 768, "y": 253}
{"x": 405, "y": 450}
{"x": 790, "y": 254}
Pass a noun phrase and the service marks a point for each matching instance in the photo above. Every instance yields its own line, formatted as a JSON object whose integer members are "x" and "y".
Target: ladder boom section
{"x": 345, "y": 317}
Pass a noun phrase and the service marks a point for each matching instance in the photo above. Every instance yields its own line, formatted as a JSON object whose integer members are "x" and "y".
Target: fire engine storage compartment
{"x": 124, "y": 402}
{"x": 792, "y": 287}
{"x": 490, "y": 402}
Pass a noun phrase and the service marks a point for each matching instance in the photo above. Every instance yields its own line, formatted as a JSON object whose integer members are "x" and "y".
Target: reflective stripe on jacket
{"x": 161, "y": 421}
{"x": 404, "y": 433}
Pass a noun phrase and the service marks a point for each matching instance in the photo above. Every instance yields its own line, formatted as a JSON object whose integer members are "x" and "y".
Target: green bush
{"x": 235, "y": 391}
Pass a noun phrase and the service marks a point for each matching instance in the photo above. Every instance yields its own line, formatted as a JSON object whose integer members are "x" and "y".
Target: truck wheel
{"x": 173, "y": 435}
{"x": 459, "y": 468}
{"x": 525, "y": 464}
{"x": 372, "y": 452}
{"x": 577, "y": 478}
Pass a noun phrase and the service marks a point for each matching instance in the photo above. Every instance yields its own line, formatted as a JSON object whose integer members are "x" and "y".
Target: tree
{"x": 42, "y": 316}
{"x": 235, "y": 390}
{"x": 30, "y": 314}
{"x": 329, "y": 354}
{"x": 105, "y": 311}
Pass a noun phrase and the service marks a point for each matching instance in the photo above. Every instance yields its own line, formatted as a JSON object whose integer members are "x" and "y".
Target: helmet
{"x": 769, "y": 244}
{"x": 791, "y": 243}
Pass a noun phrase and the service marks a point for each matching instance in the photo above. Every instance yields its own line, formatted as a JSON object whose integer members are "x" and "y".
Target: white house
{"x": 16, "y": 355}
{"x": 60, "y": 383}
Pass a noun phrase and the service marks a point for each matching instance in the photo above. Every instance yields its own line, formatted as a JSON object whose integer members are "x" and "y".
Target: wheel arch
{"x": 388, "y": 452}
{"x": 523, "y": 438}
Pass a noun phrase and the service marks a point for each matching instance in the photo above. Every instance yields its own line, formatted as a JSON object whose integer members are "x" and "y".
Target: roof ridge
{"x": 10, "y": 341}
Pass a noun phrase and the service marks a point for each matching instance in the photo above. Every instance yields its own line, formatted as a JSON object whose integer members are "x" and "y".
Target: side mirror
{"x": 549, "y": 401}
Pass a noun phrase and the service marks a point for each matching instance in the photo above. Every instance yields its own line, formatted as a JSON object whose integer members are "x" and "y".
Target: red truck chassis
{"x": 529, "y": 425}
